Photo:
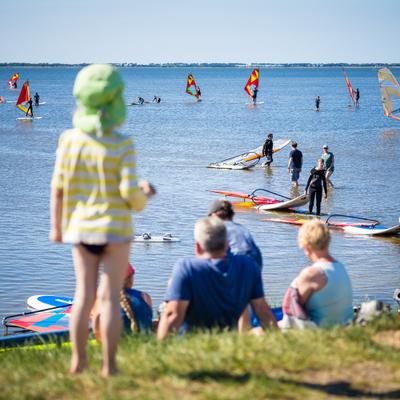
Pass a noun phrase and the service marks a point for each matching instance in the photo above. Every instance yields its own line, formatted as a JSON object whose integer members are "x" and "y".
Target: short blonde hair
{"x": 315, "y": 234}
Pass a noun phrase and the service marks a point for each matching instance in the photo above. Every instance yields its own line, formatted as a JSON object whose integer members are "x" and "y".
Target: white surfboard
{"x": 42, "y": 302}
{"x": 28, "y": 118}
{"x": 284, "y": 205}
{"x": 40, "y": 103}
{"x": 149, "y": 238}
{"x": 376, "y": 230}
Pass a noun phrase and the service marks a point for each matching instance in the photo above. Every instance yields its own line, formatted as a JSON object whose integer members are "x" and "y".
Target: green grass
{"x": 315, "y": 364}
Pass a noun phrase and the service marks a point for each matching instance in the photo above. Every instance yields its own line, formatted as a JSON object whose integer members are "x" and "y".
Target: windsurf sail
{"x": 249, "y": 158}
{"x": 23, "y": 98}
{"x": 12, "y": 83}
{"x": 252, "y": 83}
{"x": 191, "y": 87}
{"x": 350, "y": 88}
{"x": 390, "y": 93}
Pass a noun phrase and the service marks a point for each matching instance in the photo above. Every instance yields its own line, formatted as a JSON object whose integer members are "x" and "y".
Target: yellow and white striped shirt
{"x": 99, "y": 184}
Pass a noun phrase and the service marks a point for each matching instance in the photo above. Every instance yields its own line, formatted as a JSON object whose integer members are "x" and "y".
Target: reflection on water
{"x": 176, "y": 140}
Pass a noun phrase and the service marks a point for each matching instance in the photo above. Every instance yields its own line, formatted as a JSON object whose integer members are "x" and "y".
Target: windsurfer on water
{"x": 29, "y": 111}
{"x": 317, "y": 101}
{"x": 198, "y": 93}
{"x": 254, "y": 95}
{"x": 357, "y": 96}
{"x": 37, "y": 98}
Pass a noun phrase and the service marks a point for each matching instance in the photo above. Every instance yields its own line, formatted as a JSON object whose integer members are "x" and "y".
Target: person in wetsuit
{"x": 140, "y": 100}
{"x": 317, "y": 102}
{"x": 315, "y": 183}
{"x": 37, "y": 98}
{"x": 357, "y": 96}
{"x": 267, "y": 150}
{"x": 29, "y": 111}
{"x": 198, "y": 92}
{"x": 254, "y": 96}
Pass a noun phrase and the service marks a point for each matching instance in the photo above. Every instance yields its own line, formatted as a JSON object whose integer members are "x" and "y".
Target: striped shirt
{"x": 98, "y": 179}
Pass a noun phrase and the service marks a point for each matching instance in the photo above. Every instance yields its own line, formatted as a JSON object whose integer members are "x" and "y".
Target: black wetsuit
{"x": 267, "y": 151}
{"x": 255, "y": 92}
{"x": 37, "y": 98}
{"x": 315, "y": 182}
{"x": 317, "y": 101}
{"x": 357, "y": 95}
{"x": 29, "y": 108}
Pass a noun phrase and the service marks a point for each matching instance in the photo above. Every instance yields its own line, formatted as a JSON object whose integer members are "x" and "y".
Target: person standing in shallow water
{"x": 329, "y": 163}
{"x": 267, "y": 150}
{"x": 94, "y": 190}
{"x": 317, "y": 103}
{"x": 295, "y": 164}
{"x": 316, "y": 182}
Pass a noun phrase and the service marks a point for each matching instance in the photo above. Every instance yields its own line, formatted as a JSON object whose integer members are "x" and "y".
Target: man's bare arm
{"x": 172, "y": 318}
{"x": 263, "y": 312}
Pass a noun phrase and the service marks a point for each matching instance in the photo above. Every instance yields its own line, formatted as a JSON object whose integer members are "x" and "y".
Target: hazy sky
{"x": 72, "y": 31}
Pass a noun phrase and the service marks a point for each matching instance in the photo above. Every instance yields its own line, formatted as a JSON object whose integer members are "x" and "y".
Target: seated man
{"x": 240, "y": 240}
{"x": 213, "y": 288}
{"x": 323, "y": 289}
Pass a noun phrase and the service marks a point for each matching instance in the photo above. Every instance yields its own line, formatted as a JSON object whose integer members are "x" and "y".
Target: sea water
{"x": 175, "y": 141}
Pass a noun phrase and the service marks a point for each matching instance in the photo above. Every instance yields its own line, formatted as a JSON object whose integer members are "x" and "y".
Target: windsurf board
{"x": 43, "y": 302}
{"x": 284, "y": 205}
{"x": 149, "y": 238}
{"x": 28, "y": 118}
{"x": 376, "y": 230}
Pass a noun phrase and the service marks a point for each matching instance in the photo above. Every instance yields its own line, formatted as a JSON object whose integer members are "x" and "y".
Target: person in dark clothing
{"x": 37, "y": 98}
{"x": 29, "y": 111}
{"x": 267, "y": 150}
{"x": 140, "y": 100}
{"x": 198, "y": 93}
{"x": 357, "y": 96}
{"x": 317, "y": 102}
{"x": 254, "y": 96}
{"x": 314, "y": 186}
{"x": 295, "y": 164}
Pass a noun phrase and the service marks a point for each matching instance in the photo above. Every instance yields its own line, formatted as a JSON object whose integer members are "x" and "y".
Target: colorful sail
{"x": 191, "y": 87}
{"x": 252, "y": 83}
{"x": 24, "y": 97}
{"x": 12, "y": 83}
{"x": 390, "y": 93}
{"x": 350, "y": 88}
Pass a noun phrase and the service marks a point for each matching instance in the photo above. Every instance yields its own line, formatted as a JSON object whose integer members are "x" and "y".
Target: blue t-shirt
{"x": 241, "y": 242}
{"x": 218, "y": 291}
{"x": 297, "y": 158}
{"x": 141, "y": 310}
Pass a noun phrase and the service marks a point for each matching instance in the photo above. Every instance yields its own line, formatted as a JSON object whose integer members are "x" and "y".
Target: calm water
{"x": 176, "y": 140}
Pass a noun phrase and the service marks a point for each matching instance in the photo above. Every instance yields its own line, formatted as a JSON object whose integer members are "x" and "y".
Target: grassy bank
{"x": 319, "y": 364}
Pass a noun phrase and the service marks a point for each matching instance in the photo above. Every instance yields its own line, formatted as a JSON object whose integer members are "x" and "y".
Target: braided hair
{"x": 126, "y": 306}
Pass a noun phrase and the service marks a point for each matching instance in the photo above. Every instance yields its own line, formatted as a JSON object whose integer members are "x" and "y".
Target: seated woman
{"x": 136, "y": 308}
{"x": 323, "y": 290}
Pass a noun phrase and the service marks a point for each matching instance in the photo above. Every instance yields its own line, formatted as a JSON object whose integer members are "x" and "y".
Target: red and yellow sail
{"x": 191, "y": 87}
{"x": 350, "y": 88}
{"x": 13, "y": 80}
{"x": 252, "y": 83}
{"x": 23, "y": 98}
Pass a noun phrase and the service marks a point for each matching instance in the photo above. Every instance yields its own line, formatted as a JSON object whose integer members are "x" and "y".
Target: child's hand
{"x": 147, "y": 188}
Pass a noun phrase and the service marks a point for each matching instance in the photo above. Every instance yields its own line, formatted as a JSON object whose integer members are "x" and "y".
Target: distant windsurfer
{"x": 198, "y": 93}
{"x": 267, "y": 150}
{"x": 140, "y": 100}
{"x": 317, "y": 102}
{"x": 29, "y": 111}
{"x": 254, "y": 95}
{"x": 37, "y": 99}
{"x": 357, "y": 96}
{"x": 156, "y": 99}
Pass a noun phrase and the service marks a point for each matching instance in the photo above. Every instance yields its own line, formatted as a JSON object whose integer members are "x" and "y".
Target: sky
{"x": 162, "y": 31}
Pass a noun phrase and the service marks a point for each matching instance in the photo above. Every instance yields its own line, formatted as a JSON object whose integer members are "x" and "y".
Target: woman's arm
{"x": 56, "y": 214}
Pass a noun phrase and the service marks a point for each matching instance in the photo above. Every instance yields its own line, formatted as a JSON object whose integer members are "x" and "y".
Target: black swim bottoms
{"x": 96, "y": 249}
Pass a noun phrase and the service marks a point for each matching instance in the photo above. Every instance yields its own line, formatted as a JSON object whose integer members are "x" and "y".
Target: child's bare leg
{"x": 115, "y": 261}
{"x": 86, "y": 270}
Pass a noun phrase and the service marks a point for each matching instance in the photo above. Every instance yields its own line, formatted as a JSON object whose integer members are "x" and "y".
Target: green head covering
{"x": 98, "y": 91}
